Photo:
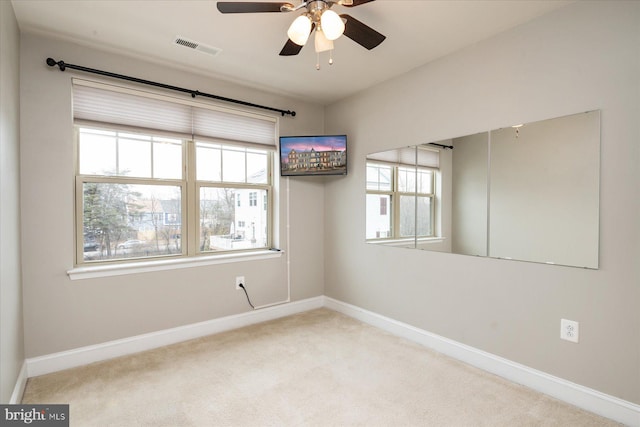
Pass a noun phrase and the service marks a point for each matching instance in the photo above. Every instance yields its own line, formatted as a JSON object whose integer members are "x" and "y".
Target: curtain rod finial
{"x": 51, "y": 62}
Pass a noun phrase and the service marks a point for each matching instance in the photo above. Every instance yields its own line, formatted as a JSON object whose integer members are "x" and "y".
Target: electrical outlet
{"x": 239, "y": 281}
{"x": 569, "y": 330}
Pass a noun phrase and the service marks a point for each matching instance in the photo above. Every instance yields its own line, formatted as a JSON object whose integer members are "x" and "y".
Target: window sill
{"x": 92, "y": 272}
{"x": 405, "y": 242}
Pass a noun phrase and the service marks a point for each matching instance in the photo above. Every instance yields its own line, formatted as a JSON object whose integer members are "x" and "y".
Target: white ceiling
{"x": 417, "y": 32}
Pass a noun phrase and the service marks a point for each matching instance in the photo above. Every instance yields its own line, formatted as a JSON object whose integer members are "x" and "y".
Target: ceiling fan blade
{"x": 290, "y": 48}
{"x": 252, "y": 6}
{"x": 361, "y": 33}
{"x": 354, "y": 3}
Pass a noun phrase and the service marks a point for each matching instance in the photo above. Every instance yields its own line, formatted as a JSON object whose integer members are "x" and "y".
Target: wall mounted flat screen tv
{"x": 313, "y": 155}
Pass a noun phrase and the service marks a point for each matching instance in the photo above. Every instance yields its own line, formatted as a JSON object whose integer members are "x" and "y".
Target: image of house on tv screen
{"x": 313, "y": 155}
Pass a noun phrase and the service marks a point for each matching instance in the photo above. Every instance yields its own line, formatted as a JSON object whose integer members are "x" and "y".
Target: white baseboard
{"x": 21, "y": 383}
{"x": 583, "y": 397}
{"x": 94, "y": 353}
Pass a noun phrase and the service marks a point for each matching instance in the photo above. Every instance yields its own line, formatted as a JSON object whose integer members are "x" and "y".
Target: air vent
{"x": 213, "y": 51}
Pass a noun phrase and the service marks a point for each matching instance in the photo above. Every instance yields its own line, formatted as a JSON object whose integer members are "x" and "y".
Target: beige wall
{"x": 61, "y": 314}
{"x": 11, "y": 332}
{"x": 582, "y": 57}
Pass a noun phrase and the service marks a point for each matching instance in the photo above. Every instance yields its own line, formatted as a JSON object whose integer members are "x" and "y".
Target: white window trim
{"x": 147, "y": 266}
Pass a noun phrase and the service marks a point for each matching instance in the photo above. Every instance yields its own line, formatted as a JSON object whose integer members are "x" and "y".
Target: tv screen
{"x": 313, "y": 155}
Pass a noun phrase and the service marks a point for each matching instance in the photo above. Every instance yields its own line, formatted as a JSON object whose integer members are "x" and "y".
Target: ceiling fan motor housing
{"x": 316, "y": 9}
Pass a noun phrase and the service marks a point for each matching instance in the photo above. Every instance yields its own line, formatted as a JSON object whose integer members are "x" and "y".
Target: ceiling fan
{"x": 318, "y": 17}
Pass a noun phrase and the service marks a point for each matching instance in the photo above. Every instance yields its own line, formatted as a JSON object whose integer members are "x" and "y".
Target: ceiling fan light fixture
{"x": 299, "y": 30}
{"x": 322, "y": 43}
{"x": 332, "y": 25}
{"x": 316, "y": 16}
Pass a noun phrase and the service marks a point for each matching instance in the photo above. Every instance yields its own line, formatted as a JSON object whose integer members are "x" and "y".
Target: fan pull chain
{"x": 318, "y": 59}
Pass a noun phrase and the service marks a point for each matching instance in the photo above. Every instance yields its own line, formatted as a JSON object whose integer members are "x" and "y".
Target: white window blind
{"x": 106, "y": 104}
{"x": 219, "y": 124}
{"x": 407, "y": 157}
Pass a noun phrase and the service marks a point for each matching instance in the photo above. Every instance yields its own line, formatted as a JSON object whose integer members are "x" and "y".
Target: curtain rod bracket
{"x": 63, "y": 66}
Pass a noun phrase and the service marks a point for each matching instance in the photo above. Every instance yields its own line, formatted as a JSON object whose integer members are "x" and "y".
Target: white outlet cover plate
{"x": 569, "y": 330}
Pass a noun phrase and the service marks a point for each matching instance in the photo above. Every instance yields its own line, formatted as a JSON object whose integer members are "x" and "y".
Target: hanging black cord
{"x": 245, "y": 292}
{"x": 63, "y": 66}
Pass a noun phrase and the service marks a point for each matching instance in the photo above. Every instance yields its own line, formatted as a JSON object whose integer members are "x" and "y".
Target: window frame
{"x": 190, "y": 199}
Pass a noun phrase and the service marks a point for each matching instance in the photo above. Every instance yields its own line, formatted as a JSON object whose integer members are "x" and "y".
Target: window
{"x": 397, "y": 194}
{"x": 245, "y": 173}
{"x": 147, "y": 191}
{"x": 379, "y": 193}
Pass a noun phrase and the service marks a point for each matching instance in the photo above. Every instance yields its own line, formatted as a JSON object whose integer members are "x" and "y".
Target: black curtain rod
{"x": 62, "y": 65}
{"x": 450, "y": 147}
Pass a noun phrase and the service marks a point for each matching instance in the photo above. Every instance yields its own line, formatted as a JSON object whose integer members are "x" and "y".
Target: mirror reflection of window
{"x": 400, "y": 195}
{"x": 528, "y": 192}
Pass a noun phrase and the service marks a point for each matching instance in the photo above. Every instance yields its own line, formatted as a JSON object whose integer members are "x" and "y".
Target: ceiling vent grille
{"x": 181, "y": 41}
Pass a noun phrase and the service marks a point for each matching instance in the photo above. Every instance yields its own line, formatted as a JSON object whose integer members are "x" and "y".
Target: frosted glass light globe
{"x": 332, "y": 25}
{"x": 299, "y": 30}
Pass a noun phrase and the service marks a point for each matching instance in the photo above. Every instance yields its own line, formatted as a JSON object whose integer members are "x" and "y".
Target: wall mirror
{"x": 529, "y": 192}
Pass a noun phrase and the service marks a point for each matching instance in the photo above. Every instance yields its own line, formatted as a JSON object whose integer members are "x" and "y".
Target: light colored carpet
{"x": 318, "y": 368}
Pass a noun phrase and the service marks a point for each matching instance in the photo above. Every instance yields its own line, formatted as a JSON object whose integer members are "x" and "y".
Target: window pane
{"x": 167, "y": 159}
{"x": 227, "y": 163}
{"x": 257, "y": 162}
{"x": 134, "y": 158}
{"x": 378, "y": 177}
{"x": 225, "y": 225}
{"x": 407, "y": 216}
{"x": 99, "y": 149}
{"x": 233, "y": 165}
{"x": 424, "y": 217}
{"x": 425, "y": 182}
{"x": 378, "y": 219}
{"x": 406, "y": 180}
{"x": 130, "y": 221}
{"x": 208, "y": 162}
{"x": 97, "y": 152}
